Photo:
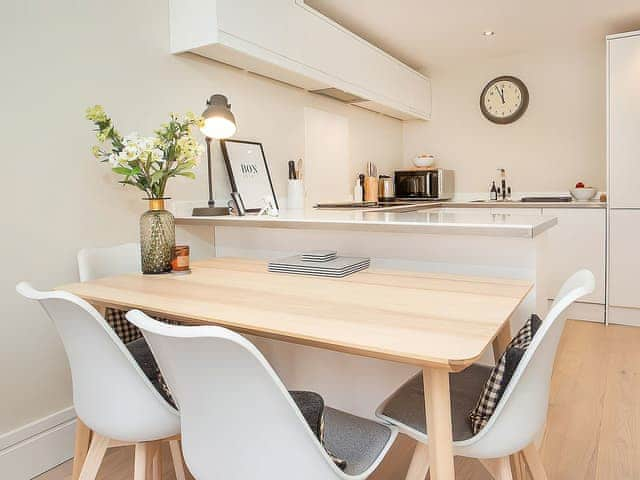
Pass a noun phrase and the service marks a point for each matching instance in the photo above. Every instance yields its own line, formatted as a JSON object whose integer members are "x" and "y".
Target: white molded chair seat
{"x": 238, "y": 419}
{"x": 111, "y": 393}
{"x": 522, "y": 410}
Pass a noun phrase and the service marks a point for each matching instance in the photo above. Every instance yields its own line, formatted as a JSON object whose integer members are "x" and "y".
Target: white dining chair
{"x": 99, "y": 262}
{"x": 238, "y": 420}
{"x": 111, "y": 394}
{"x": 107, "y": 261}
{"x": 519, "y": 415}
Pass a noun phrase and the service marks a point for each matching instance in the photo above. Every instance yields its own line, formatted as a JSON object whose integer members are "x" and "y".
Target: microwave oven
{"x": 432, "y": 184}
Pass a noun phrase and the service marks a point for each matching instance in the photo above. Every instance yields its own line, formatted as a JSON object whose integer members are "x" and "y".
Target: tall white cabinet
{"x": 623, "y": 152}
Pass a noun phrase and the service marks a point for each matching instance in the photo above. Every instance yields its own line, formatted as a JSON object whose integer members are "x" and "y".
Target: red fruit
{"x": 579, "y": 185}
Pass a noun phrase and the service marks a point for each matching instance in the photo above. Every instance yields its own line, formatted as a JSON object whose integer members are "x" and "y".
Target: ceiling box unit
{"x": 293, "y": 43}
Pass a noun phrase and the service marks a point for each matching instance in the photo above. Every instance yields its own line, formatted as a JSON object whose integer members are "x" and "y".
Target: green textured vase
{"x": 157, "y": 238}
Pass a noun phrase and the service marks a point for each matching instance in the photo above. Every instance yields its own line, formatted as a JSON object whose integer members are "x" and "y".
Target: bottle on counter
{"x": 508, "y": 194}
{"x": 503, "y": 184}
{"x": 493, "y": 193}
{"x": 358, "y": 191}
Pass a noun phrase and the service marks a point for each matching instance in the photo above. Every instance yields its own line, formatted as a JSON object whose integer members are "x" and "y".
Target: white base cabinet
{"x": 578, "y": 241}
{"x": 624, "y": 266}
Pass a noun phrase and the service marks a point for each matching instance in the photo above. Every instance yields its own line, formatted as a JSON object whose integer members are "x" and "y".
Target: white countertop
{"x": 518, "y": 204}
{"x": 429, "y": 220}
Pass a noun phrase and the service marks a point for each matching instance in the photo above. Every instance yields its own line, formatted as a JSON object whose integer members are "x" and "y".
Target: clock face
{"x": 504, "y": 100}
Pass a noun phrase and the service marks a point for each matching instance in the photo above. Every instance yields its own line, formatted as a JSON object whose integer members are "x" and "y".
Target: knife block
{"x": 370, "y": 189}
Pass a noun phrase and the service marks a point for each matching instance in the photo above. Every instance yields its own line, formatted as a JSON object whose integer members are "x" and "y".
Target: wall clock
{"x": 504, "y": 99}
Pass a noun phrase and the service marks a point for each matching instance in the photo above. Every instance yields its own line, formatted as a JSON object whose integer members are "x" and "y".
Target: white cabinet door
{"x": 291, "y": 42}
{"x": 578, "y": 241}
{"x": 624, "y": 122}
{"x": 624, "y": 258}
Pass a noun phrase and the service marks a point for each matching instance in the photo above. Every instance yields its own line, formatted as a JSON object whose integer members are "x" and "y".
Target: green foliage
{"x": 148, "y": 163}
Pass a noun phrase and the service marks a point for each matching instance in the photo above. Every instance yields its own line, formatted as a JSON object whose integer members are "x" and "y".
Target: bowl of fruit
{"x": 582, "y": 193}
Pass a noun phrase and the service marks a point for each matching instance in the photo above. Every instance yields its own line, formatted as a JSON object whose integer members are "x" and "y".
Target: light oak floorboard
{"x": 593, "y": 428}
{"x": 620, "y": 434}
{"x": 117, "y": 465}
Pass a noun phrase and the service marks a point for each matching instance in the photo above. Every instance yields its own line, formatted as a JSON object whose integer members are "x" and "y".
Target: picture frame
{"x": 248, "y": 172}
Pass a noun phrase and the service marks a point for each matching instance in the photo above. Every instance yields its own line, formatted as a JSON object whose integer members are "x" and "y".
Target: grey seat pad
{"x": 406, "y": 405}
{"x": 357, "y": 440}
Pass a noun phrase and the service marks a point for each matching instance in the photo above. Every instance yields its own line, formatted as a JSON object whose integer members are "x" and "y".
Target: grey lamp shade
{"x": 219, "y": 122}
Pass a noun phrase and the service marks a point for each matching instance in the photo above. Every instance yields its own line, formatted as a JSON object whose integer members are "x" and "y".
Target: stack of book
{"x": 323, "y": 263}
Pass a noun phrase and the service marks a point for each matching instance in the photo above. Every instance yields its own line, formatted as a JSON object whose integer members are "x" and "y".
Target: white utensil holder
{"x": 295, "y": 195}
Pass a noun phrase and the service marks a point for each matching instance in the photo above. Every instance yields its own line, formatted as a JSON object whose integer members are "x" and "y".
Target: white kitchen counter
{"x": 438, "y": 221}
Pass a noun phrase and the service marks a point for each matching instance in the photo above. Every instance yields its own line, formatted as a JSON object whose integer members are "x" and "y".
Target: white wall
{"x": 559, "y": 141}
{"x": 60, "y": 57}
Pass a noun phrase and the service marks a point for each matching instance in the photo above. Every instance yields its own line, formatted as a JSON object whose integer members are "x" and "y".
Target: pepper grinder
{"x": 371, "y": 183}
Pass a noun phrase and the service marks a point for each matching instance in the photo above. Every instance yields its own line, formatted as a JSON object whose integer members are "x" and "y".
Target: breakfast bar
{"x": 426, "y": 239}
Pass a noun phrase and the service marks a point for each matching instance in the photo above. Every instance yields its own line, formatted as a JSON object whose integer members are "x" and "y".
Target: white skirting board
{"x": 623, "y": 316}
{"x": 38, "y": 446}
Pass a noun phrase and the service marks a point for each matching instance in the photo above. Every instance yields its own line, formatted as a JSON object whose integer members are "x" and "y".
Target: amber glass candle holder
{"x": 180, "y": 258}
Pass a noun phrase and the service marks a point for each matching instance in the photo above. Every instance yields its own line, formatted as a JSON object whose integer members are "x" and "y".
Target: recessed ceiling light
{"x": 488, "y": 33}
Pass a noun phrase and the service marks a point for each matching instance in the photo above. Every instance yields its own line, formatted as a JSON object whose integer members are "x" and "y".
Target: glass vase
{"x": 157, "y": 238}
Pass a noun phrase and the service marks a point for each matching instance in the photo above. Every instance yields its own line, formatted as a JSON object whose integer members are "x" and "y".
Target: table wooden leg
{"x": 500, "y": 344}
{"x": 438, "y": 409}
{"x": 419, "y": 465}
{"x": 83, "y": 440}
{"x": 502, "y": 340}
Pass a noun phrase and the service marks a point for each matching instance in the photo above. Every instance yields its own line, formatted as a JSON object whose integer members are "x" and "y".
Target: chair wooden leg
{"x": 98, "y": 448}
{"x": 534, "y": 462}
{"x": 140, "y": 462}
{"x": 83, "y": 441}
{"x": 154, "y": 461}
{"x": 517, "y": 467}
{"x": 499, "y": 468}
{"x": 176, "y": 456}
{"x": 419, "y": 466}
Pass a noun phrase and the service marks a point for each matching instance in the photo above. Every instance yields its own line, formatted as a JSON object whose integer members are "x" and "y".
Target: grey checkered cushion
{"x": 127, "y": 331}
{"x": 502, "y": 373}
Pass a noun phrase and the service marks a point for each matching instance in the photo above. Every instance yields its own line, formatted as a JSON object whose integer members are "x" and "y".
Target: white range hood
{"x": 293, "y": 43}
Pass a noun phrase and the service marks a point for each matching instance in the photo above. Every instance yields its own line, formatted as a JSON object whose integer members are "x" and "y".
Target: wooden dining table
{"x": 441, "y": 323}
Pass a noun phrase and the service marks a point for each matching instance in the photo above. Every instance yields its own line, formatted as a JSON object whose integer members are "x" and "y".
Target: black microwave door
{"x": 411, "y": 184}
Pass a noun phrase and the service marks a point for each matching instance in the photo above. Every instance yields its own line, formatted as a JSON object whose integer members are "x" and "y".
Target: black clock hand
{"x": 502, "y": 94}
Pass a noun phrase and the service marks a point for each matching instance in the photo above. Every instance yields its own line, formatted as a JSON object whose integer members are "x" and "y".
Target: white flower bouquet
{"x": 148, "y": 162}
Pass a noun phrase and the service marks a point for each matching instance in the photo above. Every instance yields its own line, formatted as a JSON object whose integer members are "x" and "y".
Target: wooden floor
{"x": 593, "y": 430}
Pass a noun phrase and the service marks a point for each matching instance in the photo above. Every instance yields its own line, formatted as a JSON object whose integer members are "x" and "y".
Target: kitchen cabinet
{"x": 293, "y": 43}
{"x": 624, "y": 121}
{"x": 624, "y": 259}
{"x": 577, "y": 241}
{"x": 623, "y": 156}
